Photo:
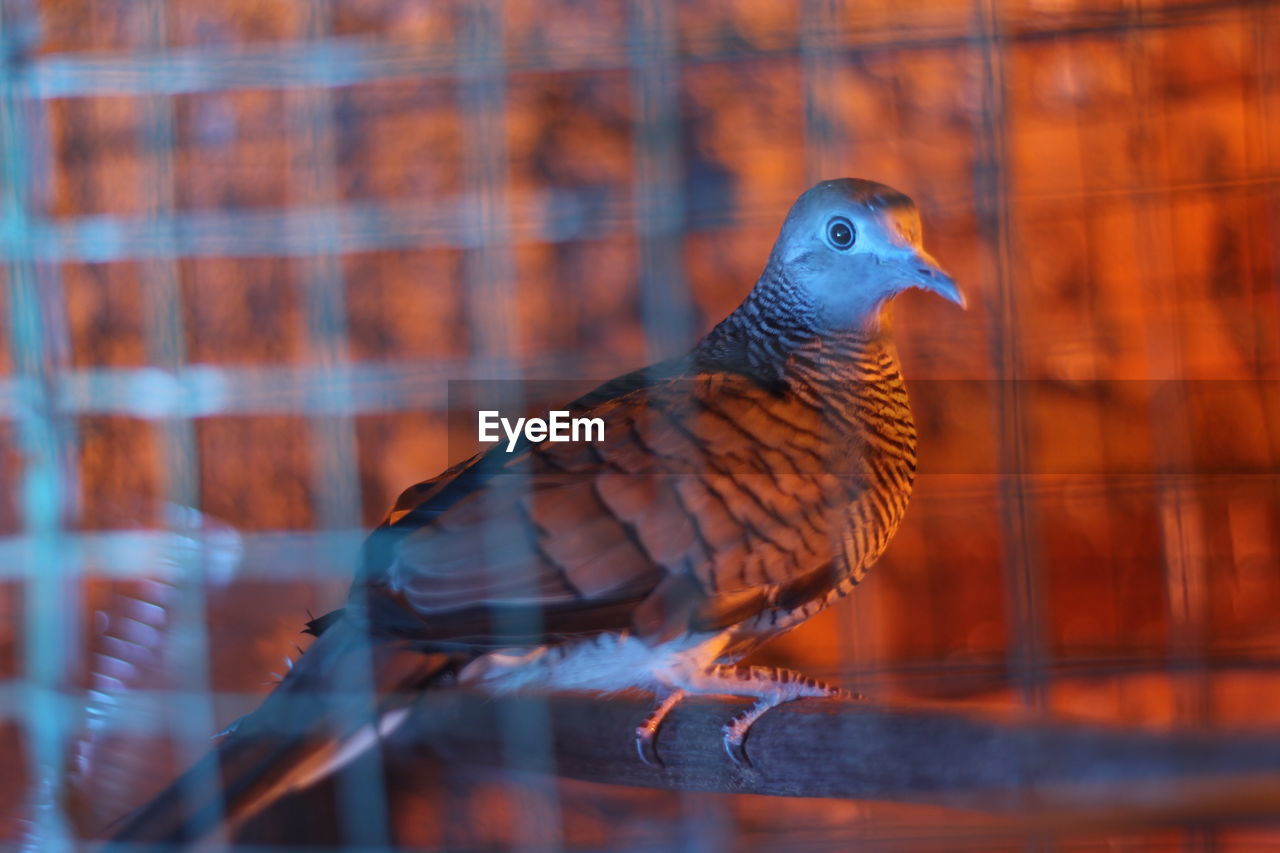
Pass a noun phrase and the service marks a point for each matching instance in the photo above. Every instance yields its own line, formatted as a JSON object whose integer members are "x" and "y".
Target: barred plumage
{"x": 737, "y": 491}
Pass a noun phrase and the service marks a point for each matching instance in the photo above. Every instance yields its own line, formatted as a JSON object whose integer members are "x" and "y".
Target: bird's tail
{"x": 343, "y": 693}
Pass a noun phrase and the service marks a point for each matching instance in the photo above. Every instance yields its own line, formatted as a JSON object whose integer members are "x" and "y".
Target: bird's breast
{"x": 867, "y": 471}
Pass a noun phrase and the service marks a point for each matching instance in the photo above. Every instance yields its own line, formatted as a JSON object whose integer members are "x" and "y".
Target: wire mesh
{"x": 246, "y": 246}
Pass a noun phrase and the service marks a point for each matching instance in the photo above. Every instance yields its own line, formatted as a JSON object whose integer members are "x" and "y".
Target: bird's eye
{"x": 840, "y": 233}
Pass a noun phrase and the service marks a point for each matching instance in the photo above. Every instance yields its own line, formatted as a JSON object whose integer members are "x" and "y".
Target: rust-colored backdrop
{"x": 246, "y": 244}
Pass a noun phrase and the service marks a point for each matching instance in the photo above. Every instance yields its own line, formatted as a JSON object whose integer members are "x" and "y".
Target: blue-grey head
{"x": 848, "y": 246}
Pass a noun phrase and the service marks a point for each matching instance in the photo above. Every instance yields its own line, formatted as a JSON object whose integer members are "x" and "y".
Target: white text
{"x": 557, "y": 426}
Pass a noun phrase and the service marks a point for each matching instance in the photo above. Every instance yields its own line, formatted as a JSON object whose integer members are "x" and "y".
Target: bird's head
{"x": 850, "y": 245}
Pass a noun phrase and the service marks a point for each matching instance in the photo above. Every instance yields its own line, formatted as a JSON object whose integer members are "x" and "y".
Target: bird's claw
{"x": 737, "y": 751}
{"x": 735, "y": 737}
{"x": 736, "y": 730}
{"x": 647, "y": 732}
{"x": 646, "y": 746}
{"x": 734, "y": 733}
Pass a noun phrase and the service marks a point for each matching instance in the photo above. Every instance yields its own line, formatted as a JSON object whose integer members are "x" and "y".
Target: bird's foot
{"x": 647, "y": 732}
{"x": 772, "y": 686}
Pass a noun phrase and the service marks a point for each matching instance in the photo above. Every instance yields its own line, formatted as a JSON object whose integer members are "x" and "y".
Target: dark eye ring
{"x": 840, "y": 233}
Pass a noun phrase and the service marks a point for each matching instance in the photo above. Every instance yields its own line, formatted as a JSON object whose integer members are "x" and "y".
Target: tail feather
{"x": 341, "y": 696}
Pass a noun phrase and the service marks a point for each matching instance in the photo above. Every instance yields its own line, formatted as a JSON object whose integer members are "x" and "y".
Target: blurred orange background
{"x": 259, "y": 238}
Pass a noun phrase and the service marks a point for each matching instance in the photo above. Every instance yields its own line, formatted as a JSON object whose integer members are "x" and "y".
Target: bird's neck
{"x": 777, "y": 327}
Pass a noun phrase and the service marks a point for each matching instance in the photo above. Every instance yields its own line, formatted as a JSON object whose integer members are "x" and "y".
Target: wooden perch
{"x": 1044, "y": 769}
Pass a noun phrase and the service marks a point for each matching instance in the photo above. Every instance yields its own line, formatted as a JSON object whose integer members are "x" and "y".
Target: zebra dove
{"x": 736, "y": 491}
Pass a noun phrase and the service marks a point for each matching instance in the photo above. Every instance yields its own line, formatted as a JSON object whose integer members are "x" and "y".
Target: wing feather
{"x": 676, "y": 520}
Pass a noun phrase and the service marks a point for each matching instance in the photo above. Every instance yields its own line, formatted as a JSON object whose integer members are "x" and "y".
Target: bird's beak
{"x": 926, "y": 273}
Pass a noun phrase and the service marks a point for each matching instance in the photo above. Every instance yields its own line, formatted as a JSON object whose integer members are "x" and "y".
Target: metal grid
{"x": 44, "y": 395}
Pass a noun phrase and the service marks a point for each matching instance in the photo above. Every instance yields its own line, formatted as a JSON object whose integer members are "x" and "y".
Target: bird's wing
{"x": 691, "y": 513}
{"x": 422, "y": 502}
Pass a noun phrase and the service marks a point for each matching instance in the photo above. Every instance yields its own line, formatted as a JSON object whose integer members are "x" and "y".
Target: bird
{"x": 738, "y": 489}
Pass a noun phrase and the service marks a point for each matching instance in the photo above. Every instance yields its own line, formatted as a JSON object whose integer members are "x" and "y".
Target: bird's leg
{"x": 771, "y": 686}
{"x": 647, "y": 732}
